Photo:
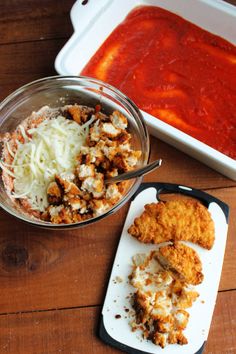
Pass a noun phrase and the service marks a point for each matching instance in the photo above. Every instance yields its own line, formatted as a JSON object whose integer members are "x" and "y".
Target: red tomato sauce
{"x": 175, "y": 71}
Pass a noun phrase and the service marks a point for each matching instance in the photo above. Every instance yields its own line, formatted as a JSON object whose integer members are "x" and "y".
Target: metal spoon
{"x": 135, "y": 173}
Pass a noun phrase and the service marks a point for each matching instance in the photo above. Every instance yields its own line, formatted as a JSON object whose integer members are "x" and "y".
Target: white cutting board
{"x": 117, "y": 331}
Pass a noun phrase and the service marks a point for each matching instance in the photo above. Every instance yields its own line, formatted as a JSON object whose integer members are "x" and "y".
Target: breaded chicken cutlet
{"x": 182, "y": 261}
{"x": 175, "y": 220}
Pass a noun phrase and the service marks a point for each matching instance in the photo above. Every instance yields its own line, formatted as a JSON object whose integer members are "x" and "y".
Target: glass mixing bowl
{"x": 58, "y": 91}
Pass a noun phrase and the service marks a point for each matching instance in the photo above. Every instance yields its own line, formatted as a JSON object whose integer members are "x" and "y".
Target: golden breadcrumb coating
{"x": 183, "y": 261}
{"x": 175, "y": 220}
{"x": 177, "y": 337}
{"x": 54, "y": 193}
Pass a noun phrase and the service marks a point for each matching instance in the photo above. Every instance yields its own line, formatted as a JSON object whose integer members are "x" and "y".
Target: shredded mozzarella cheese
{"x": 51, "y": 150}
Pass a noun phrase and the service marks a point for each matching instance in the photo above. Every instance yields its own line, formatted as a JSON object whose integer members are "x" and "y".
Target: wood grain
{"x": 30, "y": 61}
{"x": 74, "y": 331}
{"x": 222, "y": 339}
{"x": 52, "y": 284}
{"x": 178, "y": 167}
{"x": 23, "y": 21}
{"x": 228, "y": 278}
{"x": 45, "y": 269}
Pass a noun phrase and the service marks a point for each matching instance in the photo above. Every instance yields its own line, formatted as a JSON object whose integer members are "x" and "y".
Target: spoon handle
{"x": 135, "y": 173}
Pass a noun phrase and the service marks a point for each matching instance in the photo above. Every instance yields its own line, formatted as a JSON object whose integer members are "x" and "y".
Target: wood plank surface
{"x": 23, "y": 21}
{"x": 52, "y": 284}
{"x": 74, "y": 331}
{"x": 22, "y": 63}
{"x": 45, "y": 269}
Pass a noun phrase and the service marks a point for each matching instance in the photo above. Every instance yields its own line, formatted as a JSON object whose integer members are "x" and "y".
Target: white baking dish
{"x": 94, "y": 22}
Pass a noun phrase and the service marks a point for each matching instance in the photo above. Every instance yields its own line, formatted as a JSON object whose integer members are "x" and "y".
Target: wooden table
{"x": 52, "y": 284}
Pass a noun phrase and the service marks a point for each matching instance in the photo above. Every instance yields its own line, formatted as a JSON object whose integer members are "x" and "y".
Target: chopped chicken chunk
{"x": 112, "y": 193}
{"x": 78, "y": 204}
{"x": 54, "y": 193}
{"x": 80, "y": 114}
{"x": 160, "y": 339}
{"x": 85, "y": 171}
{"x": 181, "y": 319}
{"x": 94, "y": 185}
{"x": 108, "y": 130}
{"x": 126, "y": 160}
{"x": 95, "y": 132}
{"x": 67, "y": 186}
{"x": 99, "y": 206}
{"x": 119, "y": 120}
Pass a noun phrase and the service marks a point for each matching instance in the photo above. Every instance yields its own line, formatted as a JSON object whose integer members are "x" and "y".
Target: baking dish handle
{"x": 84, "y": 13}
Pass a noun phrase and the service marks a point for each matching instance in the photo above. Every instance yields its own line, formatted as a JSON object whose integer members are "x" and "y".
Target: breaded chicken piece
{"x": 183, "y": 295}
{"x": 119, "y": 120}
{"x": 68, "y": 187}
{"x": 177, "y": 337}
{"x": 183, "y": 261}
{"x": 175, "y": 220}
{"x": 109, "y": 130}
{"x": 80, "y": 114}
{"x": 126, "y": 160}
{"x": 142, "y": 306}
{"x": 160, "y": 339}
{"x": 54, "y": 193}
{"x": 85, "y": 171}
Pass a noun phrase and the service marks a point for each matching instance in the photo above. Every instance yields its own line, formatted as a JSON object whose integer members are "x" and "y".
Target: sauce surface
{"x": 175, "y": 71}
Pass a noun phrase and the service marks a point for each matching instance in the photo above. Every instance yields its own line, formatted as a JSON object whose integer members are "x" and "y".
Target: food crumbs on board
{"x": 118, "y": 279}
{"x": 117, "y": 316}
